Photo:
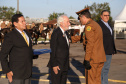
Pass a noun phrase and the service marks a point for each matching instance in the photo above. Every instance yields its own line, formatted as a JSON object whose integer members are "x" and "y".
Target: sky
{"x": 42, "y": 8}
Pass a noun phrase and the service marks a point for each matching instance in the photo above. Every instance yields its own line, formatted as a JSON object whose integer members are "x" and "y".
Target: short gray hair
{"x": 60, "y": 19}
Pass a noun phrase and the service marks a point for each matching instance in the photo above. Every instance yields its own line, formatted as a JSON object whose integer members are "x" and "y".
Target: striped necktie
{"x": 66, "y": 38}
{"x": 25, "y": 38}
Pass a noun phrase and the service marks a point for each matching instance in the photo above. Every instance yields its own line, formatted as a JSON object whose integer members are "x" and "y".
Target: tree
{"x": 19, "y": 12}
{"x": 6, "y": 13}
{"x": 27, "y": 17}
{"x": 54, "y": 15}
{"x": 71, "y": 17}
{"x": 96, "y": 9}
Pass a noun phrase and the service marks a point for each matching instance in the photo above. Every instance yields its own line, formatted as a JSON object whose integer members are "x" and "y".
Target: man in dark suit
{"x": 17, "y": 44}
{"x": 59, "y": 56}
{"x": 108, "y": 42}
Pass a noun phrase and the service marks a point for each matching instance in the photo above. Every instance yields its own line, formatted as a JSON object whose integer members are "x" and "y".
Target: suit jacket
{"x": 108, "y": 39}
{"x": 59, "y": 55}
{"x": 20, "y": 55}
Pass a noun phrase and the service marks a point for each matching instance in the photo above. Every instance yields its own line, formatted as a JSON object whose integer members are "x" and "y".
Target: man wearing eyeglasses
{"x": 108, "y": 42}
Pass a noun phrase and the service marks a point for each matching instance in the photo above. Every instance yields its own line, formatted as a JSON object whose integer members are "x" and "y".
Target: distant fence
{"x": 120, "y": 32}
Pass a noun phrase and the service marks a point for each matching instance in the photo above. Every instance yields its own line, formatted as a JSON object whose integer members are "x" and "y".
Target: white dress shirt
{"x": 106, "y": 23}
{"x": 64, "y": 34}
{"x": 22, "y": 35}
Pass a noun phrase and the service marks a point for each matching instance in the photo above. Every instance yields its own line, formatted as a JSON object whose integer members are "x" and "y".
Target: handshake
{"x": 87, "y": 65}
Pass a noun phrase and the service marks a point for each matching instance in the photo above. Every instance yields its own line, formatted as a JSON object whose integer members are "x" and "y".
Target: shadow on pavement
{"x": 72, "y": 75}
{"x": 1, "y": 73}
{"x": 35, "y": 70}
{"x": 120, "y": 51}
{"x": 79, "y": 66}
{"x": 49, "y": 77}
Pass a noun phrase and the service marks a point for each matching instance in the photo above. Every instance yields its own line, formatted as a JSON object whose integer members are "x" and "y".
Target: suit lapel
{"x": 67, "y": 34}
{"x": 111, "y": 29}
{"x": 62, "y": 36}
{"x": 107, "y": 27}
{"x": 21, "y": 37}
{"x": 18, "y": 34}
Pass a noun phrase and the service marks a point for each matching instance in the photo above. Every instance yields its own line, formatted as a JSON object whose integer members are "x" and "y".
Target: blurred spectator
{"x": 41, "y": 28}
{"x": 9, "y": 25}
{"x": 33, "y": 25}
{"x": 28, "y": 26}
{"x": 3, "y": 25}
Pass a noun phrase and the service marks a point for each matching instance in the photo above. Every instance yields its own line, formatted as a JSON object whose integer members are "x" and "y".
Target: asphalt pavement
{"x": 40, "y": 74}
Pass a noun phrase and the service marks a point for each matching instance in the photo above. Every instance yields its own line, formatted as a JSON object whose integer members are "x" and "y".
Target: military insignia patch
{"x": 88, "y": 28}
{"x": 83, "y": 34}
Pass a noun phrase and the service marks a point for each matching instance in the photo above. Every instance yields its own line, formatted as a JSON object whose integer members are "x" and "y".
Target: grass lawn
{"x": 42, "y": 39}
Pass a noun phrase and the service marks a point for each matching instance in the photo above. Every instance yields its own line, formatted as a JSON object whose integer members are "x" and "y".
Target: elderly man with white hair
{"x": 59, "y": 56}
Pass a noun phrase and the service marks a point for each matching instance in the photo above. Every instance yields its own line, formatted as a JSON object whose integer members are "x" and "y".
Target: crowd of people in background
{"x": 4, "y": 25}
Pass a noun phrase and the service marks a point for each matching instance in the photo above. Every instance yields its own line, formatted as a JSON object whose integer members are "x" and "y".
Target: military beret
{"x": 81, "y": 11}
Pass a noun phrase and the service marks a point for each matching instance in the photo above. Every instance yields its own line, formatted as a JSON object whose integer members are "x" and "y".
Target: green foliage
{"x": 71, "y": 17}
{"x": 19, "y": 12}
{"x": 54, "y": 15}
{"x": 96, "y": 10}
{"x": 27, "y": 17}
{"x": 6, "y": 13}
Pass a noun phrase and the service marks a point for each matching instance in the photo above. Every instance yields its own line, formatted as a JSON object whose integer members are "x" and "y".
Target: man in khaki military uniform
{"x": 3, "y": 25}
{"x": 33, "y": 25}
{"x": 41, "y": 28}
{"x": 9, "y": 25}
{"x": 28, "y": 26}
{"x": 95, "y": 54}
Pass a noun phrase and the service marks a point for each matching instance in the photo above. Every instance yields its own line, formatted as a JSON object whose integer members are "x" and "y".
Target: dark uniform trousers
{"x": 59, "y": 78}
{"x": 21, "y": 81}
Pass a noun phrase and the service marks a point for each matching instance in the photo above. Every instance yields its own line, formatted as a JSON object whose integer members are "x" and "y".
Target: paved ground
{"x": 117, "y": 74}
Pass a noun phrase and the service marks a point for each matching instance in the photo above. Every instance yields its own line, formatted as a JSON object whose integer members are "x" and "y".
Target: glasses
{"x": 106, "y": 15}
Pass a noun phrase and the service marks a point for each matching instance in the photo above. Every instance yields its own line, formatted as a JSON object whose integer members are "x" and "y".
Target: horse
{"x": 3, "y": 32}
{"x": 34, "y": 32}
{"x": 44, "y": 33}
{"x": 73, "y": 32}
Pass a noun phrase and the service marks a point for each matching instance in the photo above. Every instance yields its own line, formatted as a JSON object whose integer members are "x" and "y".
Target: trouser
{"x": 93, "y": 76}
{"x": 59, "y": 78}
{"x": 105, "y": 69}
{"x": 21, "y": 81}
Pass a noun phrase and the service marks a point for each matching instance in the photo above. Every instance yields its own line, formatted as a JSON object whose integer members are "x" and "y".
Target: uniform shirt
{"x": 28, "y": 26}
{"x": 3, "y": 25}
{"x": 41, "y": 28}
{"x": 33, "y": 25}
{"x": 8, "y": 25}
